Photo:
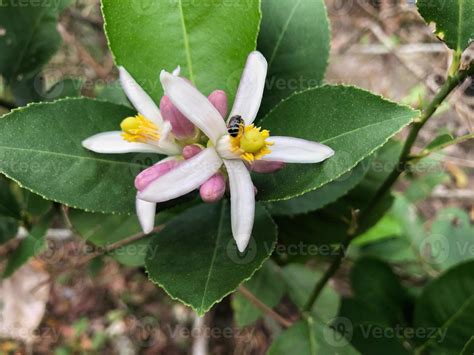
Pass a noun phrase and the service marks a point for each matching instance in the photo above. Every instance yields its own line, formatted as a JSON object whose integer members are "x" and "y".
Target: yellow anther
{"x": 252, "y": 144}
{"x": 139, "y": 129}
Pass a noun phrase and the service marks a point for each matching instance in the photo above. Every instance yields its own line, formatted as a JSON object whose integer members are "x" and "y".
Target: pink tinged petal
{"x": 146, "y": 215}
{"x": 296, "y": 150}
{"x": 266, "y": 167}
{"x": 177, "y": 71}
{"x": 213, "y": 189}
{"x": 113, "y": 143}
{"x": 147, "y": 176}
{"x": 191, "y": 150}
{"x": 218, "y": 99}
{"x": 182, "y": 128}
{"x": 242, "y": 202}
{"x": 142, "y": 102}
{"x": 194, "y": 105}
{"x": 185, "y": 178}
{"x": 252, "y": 83}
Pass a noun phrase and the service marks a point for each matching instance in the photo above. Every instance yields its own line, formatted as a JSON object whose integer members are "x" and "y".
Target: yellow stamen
{"x": 139, "y": 129}
{"x": 251, "y": 144}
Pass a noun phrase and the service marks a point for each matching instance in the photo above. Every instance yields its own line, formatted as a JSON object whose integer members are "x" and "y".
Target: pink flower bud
{"x": 219, "y": 99}
{"x": 149, "y": 175}
{"x": 191, "y": 150}
{"x": 213, "y": 189}
{"x": 266, "y": 167}
{"x": 182, "y": 128}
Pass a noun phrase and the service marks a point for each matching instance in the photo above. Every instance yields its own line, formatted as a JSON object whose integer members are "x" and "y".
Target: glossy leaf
{"x": 209, "y": 40}
{"x": 453, "y": 20}
{"x": 30, "y": 38}
{"x": 353, "y": 122}
{"x": 9, "y": 206}
{"x": 294, "y": 37}
{"x": 378, "y": 304}
{"x": 447, "y": 305}
{"x": 43, "y": 152}
{"x": 319, "y": 198}
{"x": 310, "y": 337}
{"x": 267, "y": 286}
{"x": 195, "y": 258}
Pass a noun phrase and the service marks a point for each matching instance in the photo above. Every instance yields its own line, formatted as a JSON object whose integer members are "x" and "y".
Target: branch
{"x": 264, "y": 308}
{"x": 451, "y": 83}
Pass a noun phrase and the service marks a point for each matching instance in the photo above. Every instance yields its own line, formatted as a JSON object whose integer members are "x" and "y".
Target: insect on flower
{"x": 230, "y": 146}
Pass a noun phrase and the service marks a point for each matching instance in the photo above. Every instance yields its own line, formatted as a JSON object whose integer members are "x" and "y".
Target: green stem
{"x": 451, "y": 83}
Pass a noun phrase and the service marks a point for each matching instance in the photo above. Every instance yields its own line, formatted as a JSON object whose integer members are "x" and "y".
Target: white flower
{"x": 146, "y": 132}
{"x": 250, "y": 144}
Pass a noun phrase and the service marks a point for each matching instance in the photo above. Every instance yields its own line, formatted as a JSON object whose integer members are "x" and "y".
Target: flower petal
{"x": 113, "y": 143}
{"x": 146, "y": 214}
{"x": 185, "y": 178}
{"x": 249, "y": 95}
{"x": 218, "y": 99}
{"x": 142, "y": 102}
{"x": 194, "y": 105}
{"x": 242, "y": 200}
{"x": 296, "y": 150}
{"x": 147, "y": 176}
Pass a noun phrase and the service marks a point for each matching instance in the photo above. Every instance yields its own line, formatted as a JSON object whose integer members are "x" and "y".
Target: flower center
{"x": 251, "y": 144}
{"x": 139, "y": 129}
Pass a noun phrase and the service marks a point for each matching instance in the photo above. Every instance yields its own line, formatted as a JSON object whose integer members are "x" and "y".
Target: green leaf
{"x": 377, "y": 307}
{"x": 300, "y": 281}
{"x": 317, "y": 199}
{"x": 195, "y": 259}
{"x": 9, "y": 205}
{"x": 42, "y": 152}
{"x": 295, "y": 38}
{"x": 209, "y": 40}
{"x": 387, "y": 227}
{"x": 266, "y": 285}
{"x": 422, "y": 186}
{"x": 451, "y": 239}
{"x": 30, "y": 37}
{"x": 446, "y": 305}
{"x": 309, "y": 337}
{"x": 440, "y": 140}
{"x": 8, "y": 229}
{"x": 32, "y": 245}
{"x": 453, "y": 20}
{"x": 354, "y": 122}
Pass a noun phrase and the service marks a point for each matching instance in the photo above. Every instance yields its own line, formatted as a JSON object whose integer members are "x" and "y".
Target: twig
{"x": 114, "y": 246}
{"x": 264, "y": 308}
{"x": 455, "y": 141}
{"x": 451, "y": 83}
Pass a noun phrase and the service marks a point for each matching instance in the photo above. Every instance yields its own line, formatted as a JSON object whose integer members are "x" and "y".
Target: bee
{"x": 235, "y": 127}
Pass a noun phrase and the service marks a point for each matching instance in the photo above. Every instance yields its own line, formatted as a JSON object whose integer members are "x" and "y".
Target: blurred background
{"x": 100, "y": 306}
